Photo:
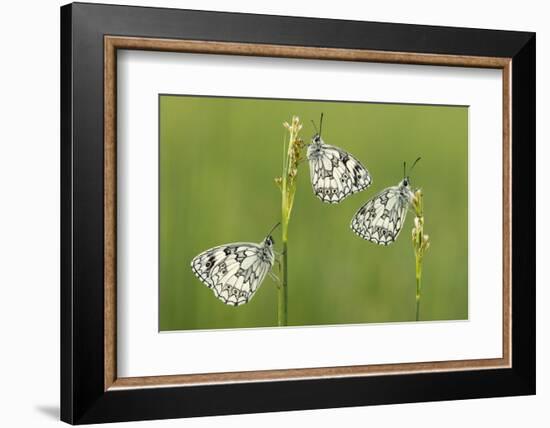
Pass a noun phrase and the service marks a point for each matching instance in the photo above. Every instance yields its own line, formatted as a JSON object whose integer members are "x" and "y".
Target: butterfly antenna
{"x": 321, "y": 124}
{"x": 414, "y": 163}
{"x": 314, "y": 127}
{"x": 273, "y": 228}
{"x": 404, "y": 169}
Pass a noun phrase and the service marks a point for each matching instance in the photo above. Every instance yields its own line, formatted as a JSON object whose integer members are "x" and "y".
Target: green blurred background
{"x": 218, "y": 161}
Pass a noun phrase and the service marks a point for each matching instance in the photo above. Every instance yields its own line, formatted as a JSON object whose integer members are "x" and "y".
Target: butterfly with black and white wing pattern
{"x": 381, "y": 219}
{"x": 335, "y": 174}
{"x": 235, "y": 271}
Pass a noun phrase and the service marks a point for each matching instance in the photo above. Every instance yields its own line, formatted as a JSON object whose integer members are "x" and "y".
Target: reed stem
{"x": 282, "y": 296}
{"x": 418, "y": 286}
{"x": 421, "y": 243}
{"x": 292, "y": 155}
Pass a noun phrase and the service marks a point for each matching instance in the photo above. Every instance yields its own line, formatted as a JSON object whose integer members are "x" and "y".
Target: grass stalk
{"x": 421, "y": 243}
{"x": 282, "y": 295}
{"x": 292, "y": 155}
{"x": 418, "y": 286}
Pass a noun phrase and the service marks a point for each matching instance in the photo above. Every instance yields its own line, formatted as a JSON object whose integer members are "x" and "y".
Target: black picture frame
{"x": 83, "y": 397}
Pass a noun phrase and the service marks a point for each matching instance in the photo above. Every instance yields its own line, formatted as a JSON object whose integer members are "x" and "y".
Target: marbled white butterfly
{"x": 235, "y": 271}
{"x": 381, "y": 219}
{"x": 335, "y": 174}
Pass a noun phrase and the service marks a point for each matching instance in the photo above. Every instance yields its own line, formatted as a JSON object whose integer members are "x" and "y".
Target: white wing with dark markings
{"x": 381, "y": 219}
{"x": 335, "y": 174}
{"x": 234, "y": 271}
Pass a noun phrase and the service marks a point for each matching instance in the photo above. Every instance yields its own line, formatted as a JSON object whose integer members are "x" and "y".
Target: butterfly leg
{"x": 275, "y": 278}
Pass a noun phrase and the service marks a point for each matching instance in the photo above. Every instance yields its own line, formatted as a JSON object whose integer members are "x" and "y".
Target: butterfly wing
{"x": 380, "y": 220}
{"x": 336, "y": 174}
{"x": 233, "y": 271}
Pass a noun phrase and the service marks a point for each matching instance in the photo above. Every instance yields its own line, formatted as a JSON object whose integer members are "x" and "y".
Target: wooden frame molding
{"x": 113, "y": 43}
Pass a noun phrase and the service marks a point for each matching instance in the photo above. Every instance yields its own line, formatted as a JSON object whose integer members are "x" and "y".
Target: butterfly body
{"x": 235, "y": 271}
{"x": 381, "y": 219}
{"x": 335, "y": 174}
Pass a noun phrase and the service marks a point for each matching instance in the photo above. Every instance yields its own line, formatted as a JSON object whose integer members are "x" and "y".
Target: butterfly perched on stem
{"x": 381, "y": 219}
{"x": 335, "y": 174}
{"x": 235, "y": 271}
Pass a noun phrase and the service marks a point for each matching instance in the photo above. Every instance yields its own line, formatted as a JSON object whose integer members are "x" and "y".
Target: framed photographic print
{"x": 265, "y": 213}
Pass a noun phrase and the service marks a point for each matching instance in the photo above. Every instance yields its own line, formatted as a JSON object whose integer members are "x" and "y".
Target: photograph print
{"x": 279, "y": 212}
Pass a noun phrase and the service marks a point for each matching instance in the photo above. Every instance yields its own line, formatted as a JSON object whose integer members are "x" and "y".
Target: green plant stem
{"x": 292, "y": 154}
{"x": 421, "y": 244}
{"x": 418, "y": 285}
{"x": 282, "y": 296}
